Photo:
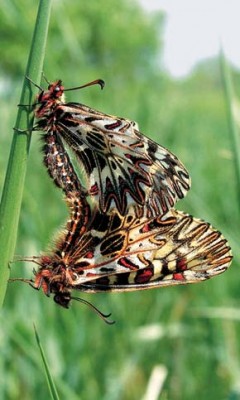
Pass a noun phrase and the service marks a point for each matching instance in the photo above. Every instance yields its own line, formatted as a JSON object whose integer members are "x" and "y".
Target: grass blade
{"x": 51, "y": 385}
{"x": 14, "y": 181}
{"x": 234, "y": 134}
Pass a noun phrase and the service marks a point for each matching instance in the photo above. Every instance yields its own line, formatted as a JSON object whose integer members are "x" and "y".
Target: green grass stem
{"x": 17, "y": 164}
{"x": 51, "y": 385}
{"x": 234, "y": 133}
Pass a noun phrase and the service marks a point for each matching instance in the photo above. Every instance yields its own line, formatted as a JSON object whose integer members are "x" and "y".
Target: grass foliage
{"x": 192, "y": 331}
{"x": 16, "y": 170}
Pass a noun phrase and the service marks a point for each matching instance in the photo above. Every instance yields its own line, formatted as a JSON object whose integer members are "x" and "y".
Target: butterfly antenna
{"x": 104, "y": 317}
{"x": 44, "y": 77}
{"x": 33, "y": 83}
{"x": 99, "y": 82}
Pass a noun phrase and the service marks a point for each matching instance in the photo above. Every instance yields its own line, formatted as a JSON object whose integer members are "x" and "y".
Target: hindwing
{"x": 116, "y": 253}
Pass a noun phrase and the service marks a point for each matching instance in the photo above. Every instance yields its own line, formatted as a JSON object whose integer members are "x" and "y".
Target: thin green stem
{"x": 51, "y": 385}
{"x": 234, "y": 133}
{"x": 17, "y": 164}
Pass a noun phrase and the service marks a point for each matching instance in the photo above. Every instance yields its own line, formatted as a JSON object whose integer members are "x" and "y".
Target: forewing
{"x": 123, "y": 167}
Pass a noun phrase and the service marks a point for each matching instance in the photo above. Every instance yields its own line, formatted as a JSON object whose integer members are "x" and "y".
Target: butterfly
{"x": 122, "y": 166}
{"x": 110, "y": 252}
{"x": 129, "y": 237}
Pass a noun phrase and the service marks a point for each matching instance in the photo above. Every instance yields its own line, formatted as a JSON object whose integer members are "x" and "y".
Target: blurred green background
{"x": 192, "y": 331}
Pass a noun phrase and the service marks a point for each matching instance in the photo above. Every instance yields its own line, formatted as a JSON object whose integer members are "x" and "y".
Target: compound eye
{"x": 63, "y": 299}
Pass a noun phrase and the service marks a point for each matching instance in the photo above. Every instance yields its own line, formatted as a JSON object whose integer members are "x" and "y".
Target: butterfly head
{"x": 47, "y": 100}
{"x": 63, "y": 298}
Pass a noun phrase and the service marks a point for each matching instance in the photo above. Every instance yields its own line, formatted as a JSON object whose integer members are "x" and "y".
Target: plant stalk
{"x": 16, "y": 170}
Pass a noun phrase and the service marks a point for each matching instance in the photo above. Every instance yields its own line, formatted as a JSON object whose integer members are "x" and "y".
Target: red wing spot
{"x": 94, "y": 189}
{"x": 90, "y": 275}
{"x": 114, "y": 125}
{"x": 90, "y": 254}
{"x": 127, "y": 264}
{"x": 145, "y": 228}
{"x": 178, "y": 277}
{"x": 144, "y": 276}
{"x": 181, "y": 264}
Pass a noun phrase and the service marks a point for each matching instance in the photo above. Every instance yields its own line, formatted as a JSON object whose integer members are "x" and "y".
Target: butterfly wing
{"x": 174, "y": 249}
{"x": 123, "y": 167}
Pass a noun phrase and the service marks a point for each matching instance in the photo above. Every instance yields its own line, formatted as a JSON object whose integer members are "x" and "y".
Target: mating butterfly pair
{"x": 123, "y": 233}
